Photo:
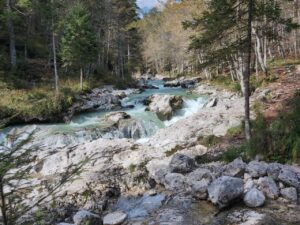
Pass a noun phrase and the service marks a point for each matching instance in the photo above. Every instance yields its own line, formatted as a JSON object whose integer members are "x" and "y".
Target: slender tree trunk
{"x": 55, "y": 64}
{"x": 12, "y": 38}
{"x": 81, "y": 79}
{"x": 247, "y": 72}
{"x": 3, "y": 203}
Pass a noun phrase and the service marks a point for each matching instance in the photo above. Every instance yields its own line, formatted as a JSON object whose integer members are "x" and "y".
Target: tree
{"x": 78, "y": 44}
{"x": 12, "y": 37}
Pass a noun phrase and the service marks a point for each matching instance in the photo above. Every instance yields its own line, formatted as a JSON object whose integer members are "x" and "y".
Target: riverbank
{"x": 161, "y": 179}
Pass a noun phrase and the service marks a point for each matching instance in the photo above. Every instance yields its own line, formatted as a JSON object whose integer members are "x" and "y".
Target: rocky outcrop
{"x": 183, "y": 82}
{"x": 164, "y": 106}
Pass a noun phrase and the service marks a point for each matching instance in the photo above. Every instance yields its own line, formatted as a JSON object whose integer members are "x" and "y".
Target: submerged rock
{"x": 225, "y": 190}
{"x": 164, "y": 105}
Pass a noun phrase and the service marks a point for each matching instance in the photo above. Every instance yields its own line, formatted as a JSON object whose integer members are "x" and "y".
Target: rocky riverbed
{"x": 158, "y": 180}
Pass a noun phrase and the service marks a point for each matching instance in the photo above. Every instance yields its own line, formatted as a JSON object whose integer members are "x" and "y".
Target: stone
{"x": 273, "y": 170}
{"x": 257, "y": 169}
{"x": 249, "y": 184}
{"x": 164, "y": 106}
{"x": 269, "y": 187}
{"x": 244, "y": 217}
{"x": 199, "y": 181}
{"x": 211, "y": 103}
{"x": 289, "y": 194}
{"x": 254, "y": 198}
{"x": 224, "y": 190}
{"x": 64, "y": 224}
{"x": 181, "y": 164}
{"x": 84, "y": 217}
{"x": 290, "y": 177}
{"x": 115, "y": 117}
{"x": 235, "y": 169}
{"x": 174, "y": 181}
{"x": 114, "y": 218}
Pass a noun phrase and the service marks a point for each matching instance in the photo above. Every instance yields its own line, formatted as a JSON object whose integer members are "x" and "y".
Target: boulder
{"x": 181, "y": 164}
{"x": 290, "y": 177}
{"x": 199, "y": 181}
{"x": 273, "y": 170}
{"x": 174, "y": 181}
{"x": 225, "y": 190}
{"x": 289, "y": 194}
{"x": 84, "y": 217}
{"x": 268, "y": 186}
{"x": 115, "y": 117}
{"x": 257, "y": 169}
{"x": 164, "y": 106}
{"x": 254, "y": 198}
{"x": 114, "y": 218}
{"x": 211, "y": 103}
{"x": 235, "y": 168}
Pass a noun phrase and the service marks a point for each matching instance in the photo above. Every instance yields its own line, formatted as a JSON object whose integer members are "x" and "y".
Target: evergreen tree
{"x": 78, "y": 45}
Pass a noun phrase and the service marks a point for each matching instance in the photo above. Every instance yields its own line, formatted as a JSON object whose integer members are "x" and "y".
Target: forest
{"x": 149, "y": 112}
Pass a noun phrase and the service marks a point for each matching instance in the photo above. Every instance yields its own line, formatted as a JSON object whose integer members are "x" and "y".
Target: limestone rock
{"x": 289, "y": 194}
{"x": 164, "y": 105}
{"x": 84, "y": 217}
{"x": 257, "y": 169}
{"x": 290, "y": 177}
{"x": 114, "y": 218}
{"x": 181, "y": 164}
{"x": 269, "y": 187}
{"x": 224, "y": 190}
{"x": 174, "y": 181}
{"x": 235, "y": 168}
{"x": 254, "y": 198}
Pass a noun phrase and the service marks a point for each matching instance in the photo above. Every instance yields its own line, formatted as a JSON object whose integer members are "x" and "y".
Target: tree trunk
{"x": 3, "y": 204}
{"x": 12, "y": 38}
{"x": 247, "y": 72}
{"x": 81, "y": 79}
{"x": 55, "y": 64}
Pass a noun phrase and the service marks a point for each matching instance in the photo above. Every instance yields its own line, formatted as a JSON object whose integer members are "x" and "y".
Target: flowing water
{"x": 148, "y": 121}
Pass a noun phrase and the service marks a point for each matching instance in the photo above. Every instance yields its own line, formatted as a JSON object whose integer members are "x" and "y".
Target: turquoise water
{"x": 192, "y": 103}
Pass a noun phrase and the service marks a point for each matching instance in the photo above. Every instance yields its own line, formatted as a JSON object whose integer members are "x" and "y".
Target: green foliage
{"x": 278, "y": 141}
{"x": 78, "y": 46}
{"x": 210, "y": 140}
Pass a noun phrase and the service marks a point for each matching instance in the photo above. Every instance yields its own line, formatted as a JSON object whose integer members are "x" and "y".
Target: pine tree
{"x": 78, "y": 44}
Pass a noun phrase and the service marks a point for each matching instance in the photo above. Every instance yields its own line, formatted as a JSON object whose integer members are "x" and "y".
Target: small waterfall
{"x": 190, "y": 107}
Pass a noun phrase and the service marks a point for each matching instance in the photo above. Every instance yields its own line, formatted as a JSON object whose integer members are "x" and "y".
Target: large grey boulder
{"x": 269, "y": 187}
{"x": 254, "y": 198}
{"x": 257, "y": 169}
{"x": 181, "y": 164}
{"x": 290, "y": 177}
{"x": 273, "y": 170}
{"x": 164, "y": 106}
{"x": 289, "y": 194}
{"x": 235, "y": 169}
{"x": 224, "y": 190}
{"x": 114, "y": 218}
{"x": 86, "y": 218}
{"x": 174, "y": 181}
{"x": 199, "y": 180}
